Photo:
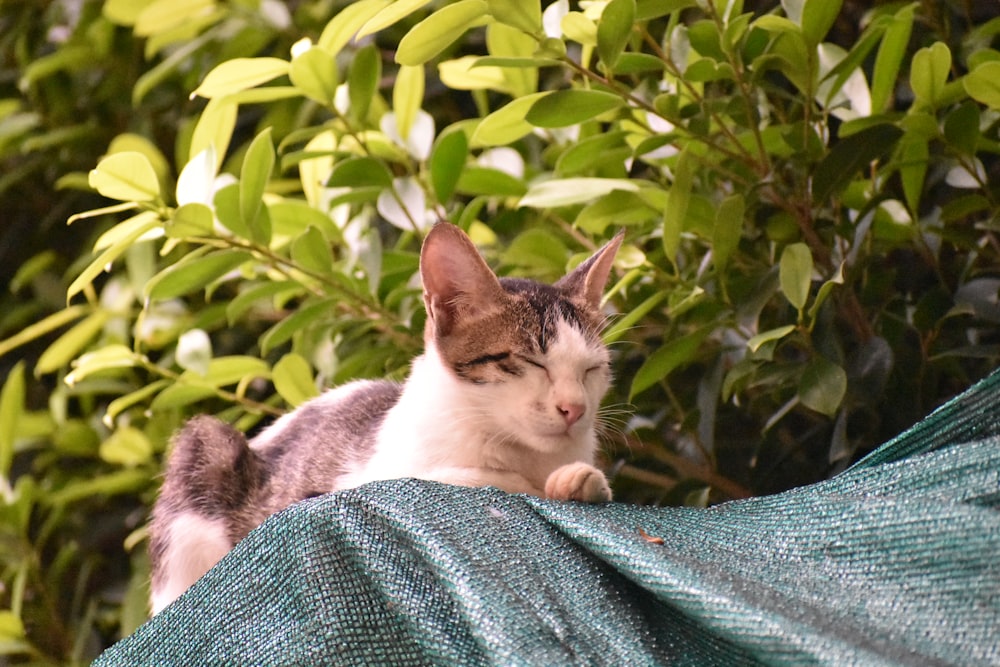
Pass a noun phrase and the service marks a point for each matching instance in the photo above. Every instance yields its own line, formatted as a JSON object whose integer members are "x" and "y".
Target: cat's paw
{"x": 578, "y": 481}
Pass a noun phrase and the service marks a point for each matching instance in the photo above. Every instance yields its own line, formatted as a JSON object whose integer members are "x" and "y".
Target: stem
{"x": 353, "y": 303}
{"x": 741, "y": 153}
{"x": 738, "y": 71}
{"x": 355, "y": 134}
{"x": 248, "y": 403}
{"x": 687, "y": 468}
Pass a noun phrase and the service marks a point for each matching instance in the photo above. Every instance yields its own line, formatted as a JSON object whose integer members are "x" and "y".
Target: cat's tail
{"x": 210, "y": 476}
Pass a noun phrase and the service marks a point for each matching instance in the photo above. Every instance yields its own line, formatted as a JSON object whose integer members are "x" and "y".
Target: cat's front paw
{"x": 578, "y": 481}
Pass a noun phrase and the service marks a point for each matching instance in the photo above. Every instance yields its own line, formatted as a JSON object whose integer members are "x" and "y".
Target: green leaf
{"x": 51, "y": 323}
{"x": 577, "y": 27}
{"x": 677, "y": 204}
{"x": 125, "y": 229}
{"x": 127, "y": 446}
{"x": 299, "y": 320}
{"x": 214, "y": 128}
{"x": 314, "y": 72}
{"x": 225, "y": 371}
{"x": 436, "y": 32}
{"x": 137, "y": 143}
{"x": 795, "y": 274}
{"x": 652, "y": 9}
{"x": 109, "y": 357}
{"x": 190, "y": 220}
{"x": 914, "y": 154}
{"x": 563, "y": 108}
{"x": 849, "y": 156}
{"x": 123, "y": 403}
{"x": 983, "y": 84}
{"x": 569, "y": 191}
{"x": 311, "y": 251}
{"x": 666, "y": 359}
{"x": 124, "y": 12}
{"x": 618, "y": 207}
{"x": 818, "y": 17}
{"x": 127, "y": 176}
{"x": 348, "y": 21}
{"x": 447, "y": 161}
{"x": 189, "y": 275}
{"x": 243, "y": 302}
{"x": 104, "y": 210}
{"x": 824, "y": 291}
{"x": 227, "y": 210}
{"x": 764, "y": 337}
{"x": 407, "y": 97}
{"x": 507, "y": 42}
{"x": 293, "y": 380}
{"x": 65, "y": 348}
{"x": 507, "y": 124}
{"x": 163, "y": 15}
{"x": 291, "y": 217}
{"x": 388, "y": 15}
{"x": 623, "y": 325}
{"x": 638, "y": 63}
{"x": 961, "y": 128}
{"x": 179, "y": 395}
{"x": 363, "y": 80}
{"x": 12, "y": 406}
{"x": 466, "y": 73}
{"x": 525, "y": 15}
{"x": 929, "y": 73}
{"x": 258, "y": 163}
{"x": 539, "y": 251}
{"x": 822, "y": 386}
{"x": 614, "y": 30}
{"x": 889, "y": 58}
{"x": 727, "y": 230}
{"x": 233, "y": 76}
{"x": 359, "y": 172}
{"x": 112, "y": 484}
{"x": 595, "y": 151}
{"x": 511, "y": 62}
{"x": 112, "y": 253}
{"x": 489, "y": 182}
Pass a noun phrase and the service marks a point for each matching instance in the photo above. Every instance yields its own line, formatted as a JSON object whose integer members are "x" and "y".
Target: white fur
{"x": 511, "y": 434}
{"x": 194, "y": 544}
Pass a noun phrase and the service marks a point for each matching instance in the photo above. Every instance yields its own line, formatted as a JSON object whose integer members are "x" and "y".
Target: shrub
{"x": 810, "y": 263}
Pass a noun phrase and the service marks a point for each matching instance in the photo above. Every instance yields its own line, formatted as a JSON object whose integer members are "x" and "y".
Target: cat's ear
{"x": 457, "y": 281}
{"x": 586, "y": 282}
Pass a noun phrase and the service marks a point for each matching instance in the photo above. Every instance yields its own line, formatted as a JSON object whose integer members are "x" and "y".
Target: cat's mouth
{"x": 555, "y": 436}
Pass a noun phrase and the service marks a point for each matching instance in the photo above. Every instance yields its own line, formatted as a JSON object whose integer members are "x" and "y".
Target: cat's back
{"x": 351, "y": 412}
{"x": 309, "y": 448}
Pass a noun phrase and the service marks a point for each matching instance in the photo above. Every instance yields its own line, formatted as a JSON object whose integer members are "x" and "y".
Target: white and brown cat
{"x": 505, "y": 394}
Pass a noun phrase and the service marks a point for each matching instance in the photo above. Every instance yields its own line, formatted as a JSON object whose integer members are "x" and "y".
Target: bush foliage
{"x": 806, "y": 187}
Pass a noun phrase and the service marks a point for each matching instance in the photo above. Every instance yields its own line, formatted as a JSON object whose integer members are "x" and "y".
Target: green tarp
{"x": 896, "y": 561}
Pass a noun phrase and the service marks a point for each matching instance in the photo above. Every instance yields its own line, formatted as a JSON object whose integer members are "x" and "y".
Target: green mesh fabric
{"x": 896, "y": 561}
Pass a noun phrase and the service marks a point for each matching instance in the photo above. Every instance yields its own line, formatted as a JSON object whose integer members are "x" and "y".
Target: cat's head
{"x": 531, "y": 353}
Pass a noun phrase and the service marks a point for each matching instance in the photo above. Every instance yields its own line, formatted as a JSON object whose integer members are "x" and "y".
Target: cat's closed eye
{"x": 533, "y": 362}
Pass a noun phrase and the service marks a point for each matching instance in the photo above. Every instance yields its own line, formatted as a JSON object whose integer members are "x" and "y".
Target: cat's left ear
{"x": 587, "y": 280}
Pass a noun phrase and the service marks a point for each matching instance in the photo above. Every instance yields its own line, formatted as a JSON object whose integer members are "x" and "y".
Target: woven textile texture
{"x": 894, "y": 562}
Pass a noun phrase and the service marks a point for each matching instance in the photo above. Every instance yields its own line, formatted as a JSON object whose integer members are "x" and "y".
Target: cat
{"x": 505, "y": 394}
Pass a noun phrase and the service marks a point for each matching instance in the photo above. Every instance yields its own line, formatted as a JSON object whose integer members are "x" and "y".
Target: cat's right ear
{"x": 457, "y": 281}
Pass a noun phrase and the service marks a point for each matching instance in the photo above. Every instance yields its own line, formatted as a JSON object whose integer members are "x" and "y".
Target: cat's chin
{"x": 551, "y": 443}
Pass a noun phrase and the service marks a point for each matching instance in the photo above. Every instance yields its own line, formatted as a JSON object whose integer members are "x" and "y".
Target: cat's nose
{"x": 571, "y": 412}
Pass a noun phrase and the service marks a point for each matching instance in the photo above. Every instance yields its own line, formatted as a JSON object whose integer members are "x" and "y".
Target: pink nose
{"x": 571, "y": 412}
